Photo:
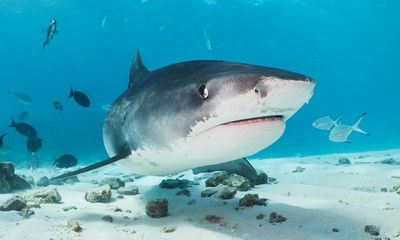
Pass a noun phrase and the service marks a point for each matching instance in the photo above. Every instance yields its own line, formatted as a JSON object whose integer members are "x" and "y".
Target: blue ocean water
{"x": 350, "y": 48}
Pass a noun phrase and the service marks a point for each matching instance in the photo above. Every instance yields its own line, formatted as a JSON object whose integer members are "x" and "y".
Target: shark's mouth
{"x": 254, "y": 120}
{"x": 245, "y": 122}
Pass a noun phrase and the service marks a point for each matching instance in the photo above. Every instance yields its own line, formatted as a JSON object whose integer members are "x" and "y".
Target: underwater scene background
{"x": 350, "y": 48}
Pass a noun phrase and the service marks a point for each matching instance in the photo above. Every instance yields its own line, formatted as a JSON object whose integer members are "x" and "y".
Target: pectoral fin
{"x": 241, "y": 167}
{"x": 125, "y": 153}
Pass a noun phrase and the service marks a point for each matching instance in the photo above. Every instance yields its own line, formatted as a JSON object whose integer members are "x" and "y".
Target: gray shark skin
{"x": 199, "y": 113}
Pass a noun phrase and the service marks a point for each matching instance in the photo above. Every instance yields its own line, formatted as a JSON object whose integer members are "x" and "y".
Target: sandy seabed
{"x": 316, "y": 199}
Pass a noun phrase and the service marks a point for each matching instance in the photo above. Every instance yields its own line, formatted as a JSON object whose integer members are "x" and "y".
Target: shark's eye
{"x": 203, "y": 91}
{"x": 260, "y": 91}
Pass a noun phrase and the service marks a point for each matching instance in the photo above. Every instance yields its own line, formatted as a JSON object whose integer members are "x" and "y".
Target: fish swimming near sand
{"x": 81, "y": 98}
{"x": 2, "y": 140}
{"x": 326, "y": 123}
{"x": 66, "y": 161}
{"x": 341, "y": 132}
{"x": 21, "y": 97}
{"x": 200, "y": 115}
{"x": 51, "y": 31}
{"x": 23, "y": 128}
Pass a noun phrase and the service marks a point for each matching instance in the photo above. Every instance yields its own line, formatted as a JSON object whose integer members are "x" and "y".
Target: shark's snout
{"x": 276, "y": 96}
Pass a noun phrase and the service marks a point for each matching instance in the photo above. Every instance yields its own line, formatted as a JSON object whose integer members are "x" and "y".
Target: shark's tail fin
{"x": 356, "y": 127}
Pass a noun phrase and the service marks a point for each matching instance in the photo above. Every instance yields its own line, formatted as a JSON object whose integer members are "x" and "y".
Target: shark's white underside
{"x": 210, "y": 147}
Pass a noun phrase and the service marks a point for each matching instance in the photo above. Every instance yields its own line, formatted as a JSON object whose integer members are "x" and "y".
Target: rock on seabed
{"x": 99, "y": 194}
{"x": 157, "y": 208}
{"x": 44, "y": 196}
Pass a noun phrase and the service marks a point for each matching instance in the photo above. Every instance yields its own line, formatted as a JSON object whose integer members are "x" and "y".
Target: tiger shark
{"x": 201, "y": 115}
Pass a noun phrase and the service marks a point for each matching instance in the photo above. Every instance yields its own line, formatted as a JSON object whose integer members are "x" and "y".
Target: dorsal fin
{"x": 138, "y": 71}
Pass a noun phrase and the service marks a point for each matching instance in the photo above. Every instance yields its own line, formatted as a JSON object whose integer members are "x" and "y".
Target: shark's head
{"x": 211, "y": 110}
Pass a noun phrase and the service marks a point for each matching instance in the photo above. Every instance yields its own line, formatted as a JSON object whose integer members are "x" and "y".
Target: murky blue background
{"x": 350, "y": 48}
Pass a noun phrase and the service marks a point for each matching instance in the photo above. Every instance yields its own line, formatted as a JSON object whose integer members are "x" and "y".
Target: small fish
{"x": 51, "y": 31}
{"x": 326, "y": 123}
{"x": 80, "y": 98}
{"x": 65, "y": 161}
{"x": 103, "y": 22}
{"x": 21, "y": 97}
{"x": 207, "y": 39}
{"x": 23, "y": 116}
{"x": 34, "y": 144}
{"x": 24, "y": 129}
{"x": 2, "y": 140}
{"x": 341, "y": 132}
{"x": 106, "y": 107}
{"x": 58, "y": 106}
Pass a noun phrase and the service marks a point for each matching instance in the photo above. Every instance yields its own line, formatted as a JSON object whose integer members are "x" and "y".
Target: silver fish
{"x": 51, "y": 31}
{"x": 341, "y": 132}
{"x": 326, "y": 123}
